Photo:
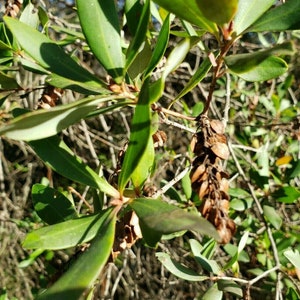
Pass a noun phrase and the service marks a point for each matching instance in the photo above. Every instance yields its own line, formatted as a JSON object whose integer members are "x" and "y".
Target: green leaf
{"x": 44, "y": 123}
{"x": 213, "y": 293}
{"x": 30, "y": 16}
{"x": 50, "y": 56}
{"x": 52, "y": 206}
{"x": 66, "y": 234}
{"x": 282, "y": 17}
{"x": 230, "y": 286}
{"x": 139, "y": 137}
{"x": 55, "y": 153}
{"x": 140, "y": 35}
{"x": 164, "y": 218}
{"x": 188, "y": 10}
{"x": 293, "y": 257}
{"x": 7, "y": 82}
{"x": 287, "y": 194}
{"x": 241, "y": 63}
{"x": 248, "y": 12}
{"x": 178, "y": 269}
{"x": 270, "y": 68}
{"x": 85, "y": 270}
{"x": 272, "y": 216}
{"x": 196, "y": 78}
{"x": 160, "y": 46}
{"x": 100, "y": 23}
{"x": 133, "y": 11}
{"x": 218, "y": 11}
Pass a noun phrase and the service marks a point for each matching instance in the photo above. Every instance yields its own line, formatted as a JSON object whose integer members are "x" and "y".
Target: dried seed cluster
{"x": 12, "y": 7}
{"x": 208, "y": 178}
{"x": 50, "y": 97}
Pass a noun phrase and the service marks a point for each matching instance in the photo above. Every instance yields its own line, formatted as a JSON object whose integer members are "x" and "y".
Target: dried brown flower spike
{"x": 208, "y": 178}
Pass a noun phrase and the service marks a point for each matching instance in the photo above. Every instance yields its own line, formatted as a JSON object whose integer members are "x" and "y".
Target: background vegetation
{"x": 97, "y": 111}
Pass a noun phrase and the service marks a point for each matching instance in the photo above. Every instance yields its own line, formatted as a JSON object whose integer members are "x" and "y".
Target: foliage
{"x": 130, "y": 78}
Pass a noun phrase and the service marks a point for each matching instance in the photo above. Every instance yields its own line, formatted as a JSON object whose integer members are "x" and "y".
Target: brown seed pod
{"x": 217, "y": 126}
{"x": 203, "y": 189}
{"x": 197, "y": 172}
{"x": 221, "y": 150}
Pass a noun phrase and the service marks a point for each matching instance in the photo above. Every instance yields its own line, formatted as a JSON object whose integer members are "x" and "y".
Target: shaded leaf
{"x": 100, "y": 23}
{"x": 140, "y": 35}
{"x": 50, "y": 56}
{"x": 44, "y": 123}
{"x": 283, "y": 17}
{"x": 52, "y": 206}
{"x": 133, "y": 11}
{"x": 272, "y": 216}
{"x": 66, "y": 234}
{"x": 230, "y": 286}
{"x": 178, "y": 269}
{"x": 188, "y": 10}
{"x": 86, "y": 269}
{"x": 55, "y": 153}
{"x": 7, "y": 82}
{"x": 139, "y": 137}
{"x": 248, "y": 12}
{"x": 164, "y": 218}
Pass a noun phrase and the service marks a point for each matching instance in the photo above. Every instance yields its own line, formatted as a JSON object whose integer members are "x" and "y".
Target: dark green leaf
{"x": 66, "y": 234}
{"x": 287, "y": 194}
{"x": 51, "y": 57}
{"x": 7, "y": 82}
{"x": 140, "y": 35}
{"x": 52, "y": 206}
{"x": 230, "y": 286}
{"x": 282, "y": 17}
{"x": 164, "y": 218}
{"x": 248, "y": 12}
{"x": 55, "y": 153}
{"x": 189, "y": 10}
{"x": 80, "y": 277}
{"x": 100, "y": 24}
{"x": 178, "y": 269}
{"x": 133, "y": 11}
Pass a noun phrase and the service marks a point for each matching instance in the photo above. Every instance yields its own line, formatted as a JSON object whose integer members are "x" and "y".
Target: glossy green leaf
{"x": 218, "y": 11}
{"x": 188, "y": 10}
{"x": 133, "y": 11}
{"x": 140, "y": 35}
{"x": 52, "y": 206}
{"x": 179, "y": 270}
{"x": 280, "y": 18}
{"x": 270, "y": 68}
{"x": 51, "y": 57}
{"x": 66, "y": 234}
{"x": 160, "y": 46}
{"x": 44, "y": 123}
{"x": 293, "y": 257}
{"x": 139, "y": 137}
{"x": 272, "y": 216}
{"x": 196, "y": 78}
{"x": 7, "y": 82}
{"x": 164, "y": 218}
{"x": 55, "y": 153}
{"x": 178, "y": 54}
{"x": 30, "y": 16}
{"x": 100, "y": 24}
{"x": 230, "y": 286}
{"x": 213, "y": 293}
{"x": 241, "y": 63}
{"x": 248, "y": 12}
{"x": 82, "y": 274}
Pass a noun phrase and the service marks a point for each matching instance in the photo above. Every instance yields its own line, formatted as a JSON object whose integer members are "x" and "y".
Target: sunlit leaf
{"x": 100, "y": 23}
{"x": 287, "y": 194}
{"x": 81, "y": 275}
{"x": 56, "y": 154}
{"x": 293, "y": 257}
{"x": 282, "y": 17}
{"x": 178, "y": 269}
{"x": 231, "y": 287}
{"x": 44, "y": 123}
{"x": 30, "y": 16}
{"x": 213, "y": 293}
{"x": 66, "y": 234}
{"x": 248, "y": 12}
{"x": 188, "y": 10}
{"x": 272, "y": 216}
{"x": 52, "y": 206}
{"x": 50, "y": 56}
